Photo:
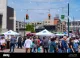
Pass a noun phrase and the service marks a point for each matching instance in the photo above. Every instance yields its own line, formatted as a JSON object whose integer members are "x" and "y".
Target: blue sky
{"x": 38, "y": 10}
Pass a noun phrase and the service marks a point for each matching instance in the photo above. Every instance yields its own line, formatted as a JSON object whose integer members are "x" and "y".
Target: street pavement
{"x": 15, "y": 50}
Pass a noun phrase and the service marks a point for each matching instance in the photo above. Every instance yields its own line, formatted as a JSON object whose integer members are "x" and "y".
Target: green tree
{"x": 30, "y": 28}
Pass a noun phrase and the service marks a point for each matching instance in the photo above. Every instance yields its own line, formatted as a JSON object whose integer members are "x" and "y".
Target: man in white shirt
{"x": 27, "y": 45}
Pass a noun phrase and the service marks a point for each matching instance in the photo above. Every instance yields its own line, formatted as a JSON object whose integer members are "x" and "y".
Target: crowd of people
{"x": 35, "y": 44}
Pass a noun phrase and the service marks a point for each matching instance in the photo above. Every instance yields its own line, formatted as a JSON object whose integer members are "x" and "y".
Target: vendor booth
{"x": 44, "y": 33}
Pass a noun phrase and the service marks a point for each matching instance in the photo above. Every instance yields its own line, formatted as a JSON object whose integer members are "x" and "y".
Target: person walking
{"x": 70, "y": 46}
{"x": 70, "y": 49}
{"x": 20, "y": 42}
{"x": 2, "y": 43}
{"x": 53, "y": 46}
{"x": 64, "y": 45}
{"x": 75, "y": 45}
{"x": 37, "y": 43}
{"x": 8, "y": 42}
{"x": 45, "y": 45}
{"x": 27, "y": 45}
{"x": 12, "y": 43}
{"x": 24, "y": 38}
{"x": 31, "y": 38}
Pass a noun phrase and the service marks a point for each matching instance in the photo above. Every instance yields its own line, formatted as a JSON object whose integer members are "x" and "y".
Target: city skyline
{"x": 39, "y": 9}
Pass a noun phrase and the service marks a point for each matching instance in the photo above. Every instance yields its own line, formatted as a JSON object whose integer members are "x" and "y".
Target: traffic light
{"x": 27, "y": 17}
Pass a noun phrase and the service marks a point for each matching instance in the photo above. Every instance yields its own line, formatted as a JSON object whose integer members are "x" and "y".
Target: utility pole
{"x": 68, "y": 19}
{"x": 24, "y": 26}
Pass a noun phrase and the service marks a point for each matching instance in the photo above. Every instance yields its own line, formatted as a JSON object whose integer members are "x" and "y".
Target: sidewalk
{"x": 15, "y": 50}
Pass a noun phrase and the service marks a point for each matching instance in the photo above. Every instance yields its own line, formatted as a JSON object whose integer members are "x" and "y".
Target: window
{"x": 48, "y": 21}
{"x": 45, "y": 21}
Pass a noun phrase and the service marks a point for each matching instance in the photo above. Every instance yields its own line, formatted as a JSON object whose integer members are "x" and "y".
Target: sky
{"x": 38, "y": 10}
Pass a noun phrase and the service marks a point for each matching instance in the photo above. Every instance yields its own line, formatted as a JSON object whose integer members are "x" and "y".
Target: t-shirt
{"x": 64, "y": 44}
{"x": 28, "y": 43}
{"x": 12, "y": 40}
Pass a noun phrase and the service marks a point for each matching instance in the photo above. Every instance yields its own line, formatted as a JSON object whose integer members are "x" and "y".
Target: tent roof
{"x": 10, "y": 32}
{"x": 44, "y": 32}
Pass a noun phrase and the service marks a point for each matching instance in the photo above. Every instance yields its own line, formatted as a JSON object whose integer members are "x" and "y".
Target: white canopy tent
{"x": 45, "y": 33}
{"x": 10, "y": 32}
{"x": 60, "y": 34}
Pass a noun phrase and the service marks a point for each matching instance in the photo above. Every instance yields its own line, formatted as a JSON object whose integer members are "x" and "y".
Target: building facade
{"x": 11, "y": 18}
{"x": 48, "y": 22}
{"x": 7, "y": 17}
{"x": 74, "y": 26}
{"x": 20, "y": 27}
{"x": 3, "y": 15}
{"x": 61, "y": 26}
{"x": 36, "y": 23}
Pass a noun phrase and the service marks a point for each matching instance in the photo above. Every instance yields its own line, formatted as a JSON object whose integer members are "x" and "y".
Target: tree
{"x": 30, "y": 28}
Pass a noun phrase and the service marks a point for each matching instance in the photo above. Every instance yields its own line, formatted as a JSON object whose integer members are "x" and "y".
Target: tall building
{"x": 3, "y": 15}
{"x": 7, "y": 17}
{"x": 11, "y": 19}
{"x": 56, "y": 20}
{"x": 61, "y": 26}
